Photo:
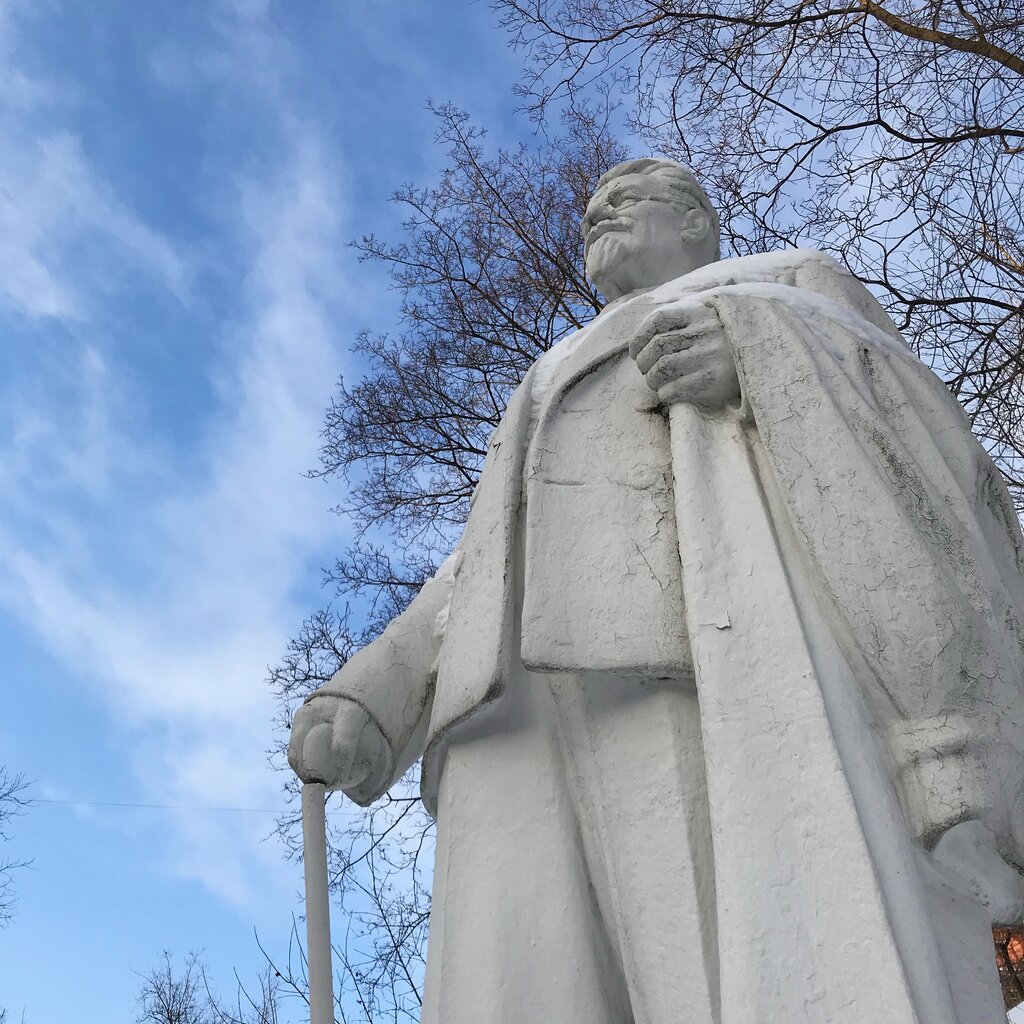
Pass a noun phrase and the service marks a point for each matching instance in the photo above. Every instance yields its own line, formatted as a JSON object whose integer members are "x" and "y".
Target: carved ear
{"x": 696, "y": 224}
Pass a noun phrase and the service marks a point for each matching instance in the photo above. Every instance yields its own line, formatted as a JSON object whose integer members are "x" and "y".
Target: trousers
{"x": 574, "y": 872}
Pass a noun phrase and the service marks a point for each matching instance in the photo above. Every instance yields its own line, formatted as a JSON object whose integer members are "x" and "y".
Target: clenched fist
{"x": 684, "y": 356}
{"x": 335, "y": 742}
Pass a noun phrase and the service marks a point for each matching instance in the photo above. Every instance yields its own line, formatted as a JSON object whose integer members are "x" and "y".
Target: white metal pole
{"x": 318, "y": 914}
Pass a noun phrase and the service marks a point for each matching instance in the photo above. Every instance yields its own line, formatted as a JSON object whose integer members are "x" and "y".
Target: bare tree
{"x": 171, "y": 995}
{"x": 490, "y": 274}
{"x": 380, "y": 869}
{"x": 12, "y": 802}
{"x": 380, "y": 863}
{"x": 888, "y": 136}
{"x": 258, "y": 1004}
{"x": 380, "y": 858}
{"x": 887, "y": 133}
{"x": 489, "y": 269}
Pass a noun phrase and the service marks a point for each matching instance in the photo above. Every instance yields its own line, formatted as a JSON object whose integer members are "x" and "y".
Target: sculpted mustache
{"x": 603, "y": 226}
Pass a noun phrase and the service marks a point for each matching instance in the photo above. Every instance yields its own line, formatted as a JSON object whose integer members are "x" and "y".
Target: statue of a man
{"x": 721, "y": 695}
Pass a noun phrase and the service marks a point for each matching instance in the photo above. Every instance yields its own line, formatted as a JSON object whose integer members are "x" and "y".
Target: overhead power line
{"x": 160, "y": 807}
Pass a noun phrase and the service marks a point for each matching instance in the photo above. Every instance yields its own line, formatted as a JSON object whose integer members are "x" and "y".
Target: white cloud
{"x": 55, "y": 209}
{"x": 53, "y": 201}
{"x": 177, "y": 645}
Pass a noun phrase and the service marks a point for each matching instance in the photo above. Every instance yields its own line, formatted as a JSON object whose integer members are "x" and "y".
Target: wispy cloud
{"x": 66, "y": 241}
{"x": 53, "y": 205}
{"x": 174, "y": 607}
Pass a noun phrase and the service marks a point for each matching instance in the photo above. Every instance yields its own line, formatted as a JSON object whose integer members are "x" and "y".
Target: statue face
{"x": 636, "y": 238}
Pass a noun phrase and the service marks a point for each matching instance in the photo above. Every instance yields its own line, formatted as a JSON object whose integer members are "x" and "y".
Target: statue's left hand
{"x": 684, "y": 356}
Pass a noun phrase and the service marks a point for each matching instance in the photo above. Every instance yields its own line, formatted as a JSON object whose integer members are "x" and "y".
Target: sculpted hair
{"x": 671, "y": 183}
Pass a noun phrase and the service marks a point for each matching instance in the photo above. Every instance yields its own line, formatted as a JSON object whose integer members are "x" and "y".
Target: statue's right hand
{"x": 684, "y": 354}
{"x": 335, "y": 742}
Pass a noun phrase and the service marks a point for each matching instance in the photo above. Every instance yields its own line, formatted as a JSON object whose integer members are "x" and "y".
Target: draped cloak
{"x": 893, "y": 527}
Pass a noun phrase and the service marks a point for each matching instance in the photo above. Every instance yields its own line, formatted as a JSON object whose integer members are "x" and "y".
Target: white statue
{"x": 721, "y": 696}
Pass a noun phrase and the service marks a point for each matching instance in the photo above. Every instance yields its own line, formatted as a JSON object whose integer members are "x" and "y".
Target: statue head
{"x": 648, "y": 222}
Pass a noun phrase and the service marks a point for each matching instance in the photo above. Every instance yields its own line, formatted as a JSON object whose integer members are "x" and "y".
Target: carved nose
{"x": 597, "y": 209}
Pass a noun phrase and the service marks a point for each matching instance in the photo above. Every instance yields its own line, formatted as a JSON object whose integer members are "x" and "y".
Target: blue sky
{"x": 177, "y": 185}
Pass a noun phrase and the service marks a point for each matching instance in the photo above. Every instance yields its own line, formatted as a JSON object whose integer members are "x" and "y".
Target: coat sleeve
{"x": 392, "y": 680}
